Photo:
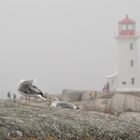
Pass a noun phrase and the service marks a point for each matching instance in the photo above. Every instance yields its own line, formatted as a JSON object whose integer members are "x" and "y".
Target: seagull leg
{"x": 29, "y": 101}
{"x": 25, "y": 100}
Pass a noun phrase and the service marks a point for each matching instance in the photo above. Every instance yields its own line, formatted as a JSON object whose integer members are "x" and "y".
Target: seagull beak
{"x": 41, "y": 97}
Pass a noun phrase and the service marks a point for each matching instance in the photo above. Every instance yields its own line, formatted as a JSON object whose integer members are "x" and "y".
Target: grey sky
{"x": 61, "y": 43}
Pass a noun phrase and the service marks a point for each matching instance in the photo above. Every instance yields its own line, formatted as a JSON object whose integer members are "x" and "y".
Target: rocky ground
{"x": 45, "y": 123}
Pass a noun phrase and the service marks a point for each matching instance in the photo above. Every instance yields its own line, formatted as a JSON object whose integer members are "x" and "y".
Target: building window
{"x": 133, "y": 81}
{"x": 131, "y": 63}
{"x": 124, "y": 27}
{"x": 131, "y": 46}
{"x": 130, "y": 27}
{"x": 124, "y": 82}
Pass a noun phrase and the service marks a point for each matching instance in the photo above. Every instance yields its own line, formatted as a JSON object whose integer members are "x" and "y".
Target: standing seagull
{"x": 62, "y": 104}
{"x": 27, "y": 89}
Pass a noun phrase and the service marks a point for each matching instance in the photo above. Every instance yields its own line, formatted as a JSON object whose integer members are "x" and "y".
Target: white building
{"x": 127, "y": 75}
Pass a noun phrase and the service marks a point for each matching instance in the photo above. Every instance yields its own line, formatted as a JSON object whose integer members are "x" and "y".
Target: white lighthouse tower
{"x": 127, "y": 75}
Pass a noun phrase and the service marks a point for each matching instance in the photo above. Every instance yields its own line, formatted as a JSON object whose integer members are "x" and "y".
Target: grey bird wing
{"x": 64, "y": 105}
{"x": 34, "y": 90}
{"x": 25, "y": 85}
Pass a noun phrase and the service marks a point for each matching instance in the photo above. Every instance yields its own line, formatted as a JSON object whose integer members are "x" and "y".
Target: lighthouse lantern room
{"x": 126, "y": 77}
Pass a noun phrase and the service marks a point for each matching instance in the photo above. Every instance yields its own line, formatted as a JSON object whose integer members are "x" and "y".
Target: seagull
{"x": 62, "y": 104}
{"x": 26, "y": 88}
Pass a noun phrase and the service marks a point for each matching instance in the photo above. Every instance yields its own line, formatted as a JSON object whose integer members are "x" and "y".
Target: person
{"x": 106, "y": 87}
{"x": 92, "y": 95}
{"x": 9, "y": 96}
{"x": 14, "y": 97}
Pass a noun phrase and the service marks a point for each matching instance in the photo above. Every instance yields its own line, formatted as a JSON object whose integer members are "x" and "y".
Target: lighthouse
{"x": 127, "y": 75}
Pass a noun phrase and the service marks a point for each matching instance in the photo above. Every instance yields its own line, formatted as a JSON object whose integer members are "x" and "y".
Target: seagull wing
{"x": 24, "y": 87}
{"x": 35, "y": 90}
{"x": 64, "y": 105}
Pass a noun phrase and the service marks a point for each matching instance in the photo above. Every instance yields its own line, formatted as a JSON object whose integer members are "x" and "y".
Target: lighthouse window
{"x": 124, "y": 27}
{"x": 132, "y": 63}
{"x": 130, "y": 27}
{"x": 124, "y": 82}
{"x": 131, "y": 46}
{"x": 132, "y": 81}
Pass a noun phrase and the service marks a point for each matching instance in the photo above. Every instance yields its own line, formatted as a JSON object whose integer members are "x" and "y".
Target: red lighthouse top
{"x": 127, "y": 20}
{"x": 127, "y": 27}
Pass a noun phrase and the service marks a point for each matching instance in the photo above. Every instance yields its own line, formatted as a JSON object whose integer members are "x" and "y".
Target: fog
{"x": 60, "y": 43}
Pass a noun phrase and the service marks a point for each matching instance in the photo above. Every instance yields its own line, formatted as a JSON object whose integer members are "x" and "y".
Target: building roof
{"x": 127, "y": 20}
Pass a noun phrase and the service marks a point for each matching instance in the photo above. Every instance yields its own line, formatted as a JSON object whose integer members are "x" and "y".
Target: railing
{"x": 127, "y": 32}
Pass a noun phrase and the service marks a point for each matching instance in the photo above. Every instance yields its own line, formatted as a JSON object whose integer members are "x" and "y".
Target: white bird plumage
{"x": 55, "y": 102}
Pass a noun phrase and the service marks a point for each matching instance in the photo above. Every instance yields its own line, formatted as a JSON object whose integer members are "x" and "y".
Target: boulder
{"x": 85, "y": 95}
{"x": 101, "y": 104}
{"x": 90, "y": 95}
{"x": 45, "y": 123}
{"x": 105, "y": 94}
{"x": 122, "y": 102}
{"x": 132, "y": 116}
{"x": 71, "y": 95}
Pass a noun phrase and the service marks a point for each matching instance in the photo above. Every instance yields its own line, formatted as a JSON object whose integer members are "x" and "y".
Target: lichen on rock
{"x": 45, "y": 123}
